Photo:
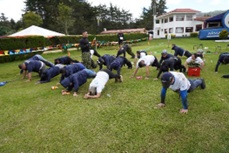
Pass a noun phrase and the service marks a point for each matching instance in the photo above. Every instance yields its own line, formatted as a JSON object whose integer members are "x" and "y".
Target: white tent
{"x": 36, "y": 31}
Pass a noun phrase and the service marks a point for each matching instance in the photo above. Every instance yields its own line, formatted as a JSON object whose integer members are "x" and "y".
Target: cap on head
{"x": 164, "y": 51}
{"x": 166, "y": 79}
{"x": 92, "y": 91}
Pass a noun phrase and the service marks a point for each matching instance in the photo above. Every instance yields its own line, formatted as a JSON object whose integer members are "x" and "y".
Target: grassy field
{"x": 35, "y": 118}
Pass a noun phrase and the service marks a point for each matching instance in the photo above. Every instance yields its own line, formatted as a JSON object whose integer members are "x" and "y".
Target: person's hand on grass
{"x": 85, "y": 96}
{"x": 75, "y": 94}
{"x": 184, "y": 111}
{"x": 160, "y": 105}
{"x": 155, "y": 79}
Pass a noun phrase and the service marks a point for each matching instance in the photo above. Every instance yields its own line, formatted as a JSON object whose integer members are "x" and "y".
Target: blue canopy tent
{"x": 213, "y": 32}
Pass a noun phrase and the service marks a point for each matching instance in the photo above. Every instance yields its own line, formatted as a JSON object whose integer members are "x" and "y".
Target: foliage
{"x": 65, "y": 19}
{"x": 30, "y": 18}
{"x": 35, "y": 118}
{"x": 224, "y": 34}
{"x": 194, "y": 34}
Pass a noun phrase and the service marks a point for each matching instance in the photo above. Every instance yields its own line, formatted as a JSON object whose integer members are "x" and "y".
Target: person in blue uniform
{"x": 74, "y": 81}
{"x": 66, "y": 60}
{"x": 50, "y": 73}
{"x": 118, "y": 63}
{"x": 180, "y": 51}
{"x": 125, "y": 48}
{"x": 165, "y": 55}
{"x": 105, "y": 60}
{"x": 40, "y": 58}
{"x": 180, "y": 84}
{"x": 30, "y": 66}
{"x": 223, "y": 59}
{"x": 71, "y": 69}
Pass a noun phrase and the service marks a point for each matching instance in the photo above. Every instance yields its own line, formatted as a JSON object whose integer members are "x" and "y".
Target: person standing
{"x": 179, "y": 83}
{"x": 120, "y": 38}
{"x": 85, "y": 48}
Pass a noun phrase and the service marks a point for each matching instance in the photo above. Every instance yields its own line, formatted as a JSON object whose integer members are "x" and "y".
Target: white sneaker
{"x": 121, "y": 78}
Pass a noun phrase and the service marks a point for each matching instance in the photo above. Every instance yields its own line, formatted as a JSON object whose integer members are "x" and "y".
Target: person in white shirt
{"x": 194, "y": 61}
{"x": 179, "y": 83}
{"x": 146, "y": 61}
{"x": 98, "y": 83}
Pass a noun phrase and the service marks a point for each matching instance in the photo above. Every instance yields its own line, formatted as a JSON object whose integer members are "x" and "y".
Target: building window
{"x": 166, "y": 20}
{"x": 188, "y": 18}
{"x": 198, "y": 27}
{"x": 162, "y": 21}
{"x": 179, "y": 29}
{"x": 189, "y": 29}
{"x": 170, "y": 30}
{"x": 170, "y": 19}
{"x": 166, "y": 31}
{"x": 157, "y": 21}
{"x": 179, "y": 18}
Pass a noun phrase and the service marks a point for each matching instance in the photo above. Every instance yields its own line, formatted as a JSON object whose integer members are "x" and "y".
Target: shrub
{"x": 193, "y": 34}
{"x": 223, "y": 34}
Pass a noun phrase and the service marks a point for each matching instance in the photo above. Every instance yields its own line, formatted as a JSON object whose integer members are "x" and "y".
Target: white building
{"x": 179, "y": 22}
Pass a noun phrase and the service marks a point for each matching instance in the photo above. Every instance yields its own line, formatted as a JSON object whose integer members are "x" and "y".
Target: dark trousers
{"x": 111, "y": 75}
{"x": 194, "y": 84}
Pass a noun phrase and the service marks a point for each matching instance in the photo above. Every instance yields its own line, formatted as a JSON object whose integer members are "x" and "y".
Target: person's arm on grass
{"x": 147, "y": 72}
{"x": 135, "y": 72}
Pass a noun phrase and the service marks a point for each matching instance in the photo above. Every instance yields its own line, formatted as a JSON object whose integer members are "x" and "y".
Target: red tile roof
{"x": 179, "y": 10}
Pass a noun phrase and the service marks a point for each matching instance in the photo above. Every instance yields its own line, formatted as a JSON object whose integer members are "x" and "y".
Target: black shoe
{"x": 203, "y": 85}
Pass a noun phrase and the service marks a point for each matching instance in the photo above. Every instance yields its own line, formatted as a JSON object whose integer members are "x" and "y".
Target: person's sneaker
{"x": 121, "y": 78}
{"x": 203, "y": 85}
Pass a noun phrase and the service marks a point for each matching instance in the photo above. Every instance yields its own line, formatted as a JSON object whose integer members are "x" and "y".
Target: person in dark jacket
{"x": 125, "y": 48}
{"x": 171, "y": 64}
{"x": 66, "y": 60}
{"x": 76, "y": 80}
{"x": 223, "y": 59}
{"x": 165, "y": 55}
{"x": 118, "y": 63}
{"x": 30, "y": 66}
{"x": 105, "y": 60}
{"x": 40, "y": 58}
{"x": 120, "y": 38}
{"x": 85, "y": 49}
{"x": 71, "y": 69}
{"x": 180, "y": 51}
{"x": 50, "y": 73}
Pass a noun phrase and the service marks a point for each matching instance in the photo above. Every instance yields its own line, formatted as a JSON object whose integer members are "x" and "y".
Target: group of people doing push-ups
{"x": 74, "y": 73}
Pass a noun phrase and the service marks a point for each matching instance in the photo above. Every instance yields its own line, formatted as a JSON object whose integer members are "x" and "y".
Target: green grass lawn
{"x": 35, "y": 118}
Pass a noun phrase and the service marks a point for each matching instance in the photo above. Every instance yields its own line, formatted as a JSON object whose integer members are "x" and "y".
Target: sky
{"x": 133, "y": 6}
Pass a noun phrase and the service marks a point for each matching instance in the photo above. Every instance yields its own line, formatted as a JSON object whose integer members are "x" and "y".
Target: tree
{"x": 31, "y": 18}
{"x": 65, "y": 18}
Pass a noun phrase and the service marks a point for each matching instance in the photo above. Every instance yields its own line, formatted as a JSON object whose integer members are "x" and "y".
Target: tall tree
{"x": 65, "y": 18}
{"x": 31, "y": 18}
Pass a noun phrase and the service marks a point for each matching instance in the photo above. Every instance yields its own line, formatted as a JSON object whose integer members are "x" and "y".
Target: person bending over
{"x": 76, "y": 80}
{"x": 180, "y": 84}
{"x": 98, "y": 83}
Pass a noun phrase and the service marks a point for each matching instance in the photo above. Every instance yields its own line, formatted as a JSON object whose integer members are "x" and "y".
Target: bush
{"x": 193, "y": 34}
{"x": 223, "y": 34}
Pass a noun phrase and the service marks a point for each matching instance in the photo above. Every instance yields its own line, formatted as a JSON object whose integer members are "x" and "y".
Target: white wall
{"x": 159, "y": 29}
